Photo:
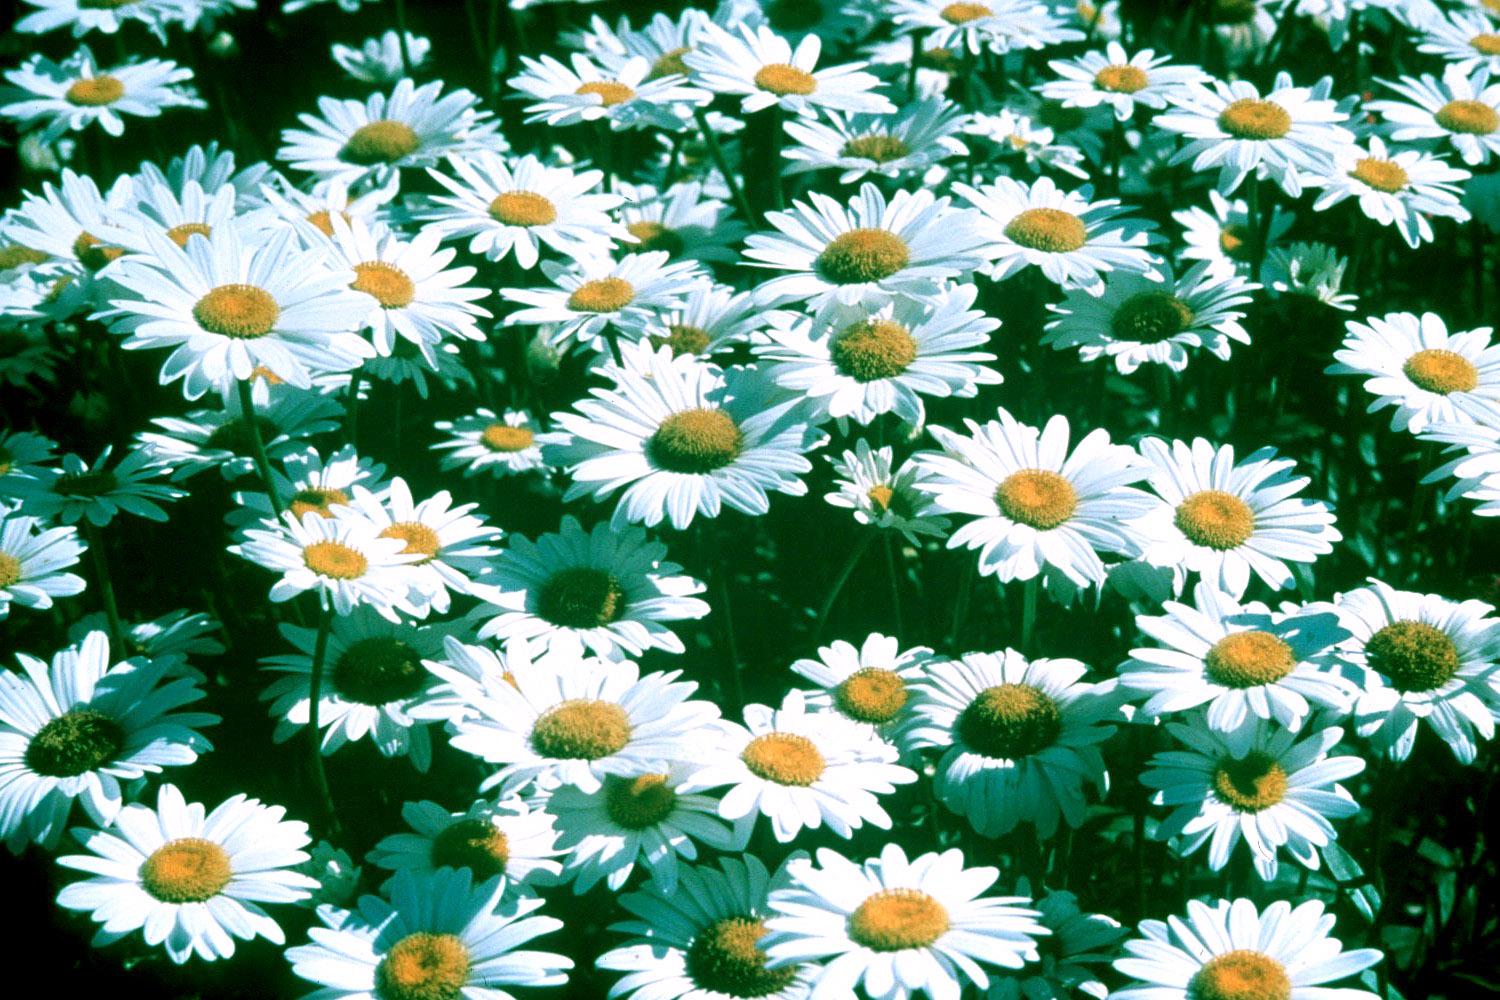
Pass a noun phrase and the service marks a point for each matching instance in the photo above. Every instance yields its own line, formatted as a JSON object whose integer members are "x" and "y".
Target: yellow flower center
{"x": 10, "y": 569}
{"x": 419, "y": 538}
{"x": 942, "y": 59}
{"x": 15, "y": 255}
{"x": 476, "y": 844}
{"x": 609, "y": 92}
{"x": 242, "y": 312}
{"x": 1468, "y": 117}
{"x": 1122, "y": 79}
{"x": 335, "y": 561}
{"x": 93, "y": 253}
{"x": 1047, "y": 229}
{"x": 871, "y": 695}
{"x": 581, "y": 597}
{"x": 696, "y": 441}
{"x": 423, "y": 966}
{"x": 1253, "y": 783}
{"x": 1437, "y": 370}
{"x": 1415, "y": 656}
{"x": 602, "y": 295}
{"x": 1249, "y": 118}
{"x": 581, "y": 729}
{"x": 1382, "y": 175}
{"x": 781, "y": 80}
{"x": 1236, "y": 241}
{"x": 1215, "y": 519}
{"x": 505, "y": 438}
{"x": 873, "y": 349}
{"x": 94, "y": 483}
{"x": 1486, "y": 43}
{"x": 963, "y": 13}
{"x": 1150, "y": 318}
{"x": 95, "y": 91}
{"x": 1037, "y": 497}
{"x": 1249, "y": 659}
{"x": 74, "y": 743}
{"x": 382, "y": 141}
{"x": 651, "y": 235}
{"x": 898, "y": 919}
{"x": 670, "y": 63}
{"x": 683, "y": 339}
{"x": 378, "y": 671}
{"x": 785, "y": 758}
{"x": 1241, "y": 975}
{"x": 180, "y": 234}
{"x": 862, "y": 255}
{"x": 725, "y": 958}
{"x": 322, "y": 220}
{"x": 386, "y": 284}
{"x": 317, "y": 500}
{"x": 877, "y": 147}
{"x": 640, "y": 802}
{"x": 1009, "y": 721}
{"x": 186, "y": 870}
{"x": 523, "y": 208}
{"x": 880, "y": 496}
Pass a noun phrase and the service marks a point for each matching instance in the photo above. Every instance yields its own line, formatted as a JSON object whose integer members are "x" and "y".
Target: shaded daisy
{"x": 1078, "y": 941}
{"x": 308, "y": 483}
{"x": 712, "y": 318}
{"x": 96, "y": 492}
{"x": 883, "y": 496}
{"x": 383, "y": 59}
{"x": 1222, "y": 234}
{"x": 680, "y": 219}
{"x": 510, "y": 838}
{"x": 285, "y": 418}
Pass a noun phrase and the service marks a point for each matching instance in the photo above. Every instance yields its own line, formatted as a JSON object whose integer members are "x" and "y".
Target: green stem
{"x": 257, "y": 446}
{"x": 778, "y": 193}
{"x": 860, "y": 546}
{"x": 895, "y": 581}
{"x": 314, "y": 729}
{"x": 403, "y": 47}
{"x": 717, "y": 154}
{"x": 911, "y": 70}
{"x": 95, "y": 539}
{"x": 351, "y": 409}
{"x": 1029, "y": 593}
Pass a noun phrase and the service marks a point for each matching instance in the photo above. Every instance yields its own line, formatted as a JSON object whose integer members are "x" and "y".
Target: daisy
{"x": 481, "y": 442}
{"x": 1225, "y": 520}
{"x": 1415, "y": 365}
{"x": 78, "y": 490}
{"x": 23, "y": 455}
{"x": 64, "y": 97}
{"x": 1019, "y": 739}
{"x": 1425, "y": 659}
{"x": 610, "y": 590}
{"x": 896, "y": 927}
{"x": 84, "y": 729}
{"x": 1312, "y": 271}
{"x": 681, "y": 437}
{"x": 374, "y": 674}
{"x": 310, "y": 214}
{"x": 762, "y": 68}
{"x": 870, "y": 684}
{"x": 83, "y": 16}
{"x": 1223, "y": 236}
{"x": 627, "y": 96}
{"x": 1405, "y": 188}
{"x": 1014, "y": 135}
{"x": 800, "y": 769}
{"x": 509, "y": 838}
{"x": 63, "y": 220}
{"x": 34, "y": 562}
{"x": 370, "y": 140}
{"x": 1288, "y": 136}
{"x": 1138, "y": 320}
{"x": 700, "y": 940}
{"x": 220, "y": 438}
{"x": 681, "y": 220}
{"x": 1034, "y": 507}
{"x": 880, "y": 495}
{"x": 866, "y": 254}
{"x": 712, "y": 318}
{"x": 1467, "y": 40}
{"x": 384, "y": 59}
{"x": 662, "y": 41}
{"x": 860, "y": 363}
{"x": 1123, "y": 82}
{"x": 344, "y": 559}
{"x": 575, "y": 721}
{"x": 440, "y": 935}
{"x": 1073, "y": 239}
{"x": 915, "y": 138}
{"x": 973, "y": 26}
{"x": 175, "y": 636}
{"x": 1229, "y": 950}
{"x": 596, "y": 293}
{"x": 519, "y": 206}
{"x": 309, "y": 483}
{"x": 1077, "y": 940}
{"x": 212, "y": 169}
{"x": 175, "y": 214}
{"x": 190, "y": 880}
{"x": 1463, "y": 109}
{"x": 1243, "y": 662}
{"x": 226, "y": 305}
{"x": 647, "y": 818}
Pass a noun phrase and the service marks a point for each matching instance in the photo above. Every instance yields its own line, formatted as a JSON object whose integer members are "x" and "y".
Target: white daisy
{"x": 883, "y": 496}
{"x": 1014, "y": 135}
{"x": 307, "y": 482}
{"x": 79, "y": 491}
{"x": 870, "y": 684}
{"x": 310, "y": 214}
{"x": 174, "y": 213}
{"x": 64, "y": 97}
{"x": 1224, "y": 236}
{"x": 1402, "y": 188}
{"x": 627, "y": 96}
{"x": 712, "y": 318}
{"x": 764, "y": 70}
{"x": 1123, "y": 82}
{"x": 384, "y": 59}
{"x": 975, "y": 25}
{"x": 1466, "y": 39}
{"x": 509, "y": 838}
{"x": 84, "y": 16}
{"x": 915, "y": 138}
{"x": 34, "y": 562}
{"x": 1462, "y": 109}
{"x": 63, "y": 220}
{"x": 681, "y": 220}
{"x": 483, "y": 442}
{"x": 344, "y": 559}
{"x": 190, "y": 880}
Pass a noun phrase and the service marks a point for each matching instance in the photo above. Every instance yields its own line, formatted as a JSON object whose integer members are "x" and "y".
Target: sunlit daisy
{"x": 344, "y": 559}
{"x": 1462, "y": 109}
{"x": 1222, "y": 233}
{"x": 34, "y": 562}
{"x": 96, "y": 492}
{"x": 976, "y": 25}
{"x": 869, "y": 684}
{"x": 485, "y": 443}
{"x": 307, "y": 482}
{"x": 58, "y": 98}
{"x": 628, "y": 96}
{"x": 916, "y": 137}
{"x": 65, "y": 220}
{"x": 310, "y": 214}
{"x": 762, "y": 68}
{"x": 508, "y": 838}
{"x": 881, "y": 495}
{"x": 1403, "y": 188}
{"x": 1121, "y": 81}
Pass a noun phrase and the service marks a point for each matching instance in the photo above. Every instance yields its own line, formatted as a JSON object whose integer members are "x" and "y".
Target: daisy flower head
{"x": 176, "y": 213}
{"x": 1311, "y": 271}
{"x": 70, "y": 222}
{"x": 1073, "y": 239}
{"x": 680, "y": 219}
{"x": 1462, "y": 110}
{"x": 191, "y": 880}
{"x": 84, "y": 16}
{"x": 1014, "y": 134}
{"x": 1019, "y": 739}
{"x": 1243, "y": 662}
{"x": 1033, "y": 506}
{"x": 869, "y": 683}
{"x": 510, "y": 838}
{"x": 762, "y": 68}
{"x": 1232, "y": 951}
{"x": 369, "y": 141}
{"x": 344, "y": 559}
{"x": 712, "y": 318}
{"x": 800, "y": 770}
{"x": 1223, "y": 236}
{"x": 918, "y": 136}
{"x": 627, "y": 96}
{"x": 1139, "y": 320}
{"x": 310, "y": 213}
{"x": 1426, "y": 660}
{"x": 1415, "y": 365}
{"x": 897, "y": 927}
{"x": 383, "y": 59}
{"x": 83, "y": 728}
{"x": 34, "y": 562}
{"x": 520, "y": 206}
{"x": 440, "y": 935}
{"x": 859, "y": 363}
{"x": 58, "y": 98}
{"x": 95, "y": 492}
{"x": 310, "y": 483}
{"x": 610, "y": 590}
{"x": 1466, "y": 39}
{"x": 1403, "y": 188}
{"x": 228, "y": 304}
{"x": 976, "y": 25}
{"x": 701, "y": 939}
{"x": 1124, "y": 82}
{"x": 883, "y": 495}
{"x": 483, "y": 442}
{"x": 682, "y": 438}
{"x": 867, "y": 253}
{"x": 1271, "y": 788}
{"x": 1288, "y": 135}
{"x": 1226, "y": 520}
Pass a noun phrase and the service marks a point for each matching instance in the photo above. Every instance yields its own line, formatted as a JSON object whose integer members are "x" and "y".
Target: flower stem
{"x": 838, "y": 584}
{"x": 314, "y": 729}
{"x": 1028, "y": 611}
{"x": 95, "y": 539}
{"x": 403, "y": 48}
{"x": 351, "y": 408}
{"x": 717, "y": 154}
{"x": 778, "y": 193}
{"x": 257, "y": 446}
{"x": 894, "y": 579}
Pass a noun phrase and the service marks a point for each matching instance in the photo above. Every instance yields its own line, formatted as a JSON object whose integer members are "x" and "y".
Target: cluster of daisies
{"x": 896, "y": 251}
